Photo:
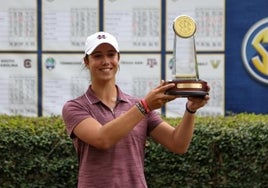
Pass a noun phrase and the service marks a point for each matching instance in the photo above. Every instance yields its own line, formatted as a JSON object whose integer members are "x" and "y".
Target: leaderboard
{"x": 40, "y": 71}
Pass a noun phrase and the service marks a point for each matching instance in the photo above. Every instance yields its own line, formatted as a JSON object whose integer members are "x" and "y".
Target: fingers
{"x": 203, "y": 100}
{"x": 157, "y": 97}
{"x": 197, "y": 102}
{"x": 164, "y": 86}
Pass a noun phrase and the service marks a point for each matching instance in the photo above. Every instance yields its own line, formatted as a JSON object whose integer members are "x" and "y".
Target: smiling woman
{"x": 102, "y": 63}
{"x": 109, "y": 128}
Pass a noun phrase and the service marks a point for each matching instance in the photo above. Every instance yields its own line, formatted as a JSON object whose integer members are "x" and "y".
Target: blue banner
{"x": 246, "y": 57}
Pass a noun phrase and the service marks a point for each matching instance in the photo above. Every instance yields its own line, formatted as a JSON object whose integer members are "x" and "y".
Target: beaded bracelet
{"x": 145, "y": 105}
{"x": 141, "y": 108}
{"x": 188, "y": 110}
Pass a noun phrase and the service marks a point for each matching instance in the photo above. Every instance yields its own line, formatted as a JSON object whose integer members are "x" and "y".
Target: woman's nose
{"x": 105, "y": 60}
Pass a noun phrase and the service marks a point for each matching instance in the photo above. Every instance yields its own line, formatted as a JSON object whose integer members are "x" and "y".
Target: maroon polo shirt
{"x": 119, "y": 166}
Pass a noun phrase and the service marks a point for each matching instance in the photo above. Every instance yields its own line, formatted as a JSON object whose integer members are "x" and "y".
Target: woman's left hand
{"x": 194, "y": 103}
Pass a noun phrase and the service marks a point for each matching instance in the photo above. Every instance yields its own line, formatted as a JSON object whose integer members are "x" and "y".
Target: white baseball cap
{"x": 94, "y": 40}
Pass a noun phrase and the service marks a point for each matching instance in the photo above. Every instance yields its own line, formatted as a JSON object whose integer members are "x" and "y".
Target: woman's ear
{"x": 86, "y": 60}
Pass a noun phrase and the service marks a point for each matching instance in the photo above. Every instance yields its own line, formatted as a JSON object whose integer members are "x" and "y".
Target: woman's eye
{"x": 111, "y": 54}
{"x": 96, "y": 55}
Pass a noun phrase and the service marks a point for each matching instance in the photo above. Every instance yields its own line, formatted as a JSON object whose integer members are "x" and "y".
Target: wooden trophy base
{"x": 188, "y": 88}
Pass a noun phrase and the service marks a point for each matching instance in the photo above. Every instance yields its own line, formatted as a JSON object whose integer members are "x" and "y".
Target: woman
{"x": 109, "y": 127}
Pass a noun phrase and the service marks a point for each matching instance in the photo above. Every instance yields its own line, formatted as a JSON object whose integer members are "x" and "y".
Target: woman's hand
{"x": 157, "y": 98}
{"x": 194, "y": 103}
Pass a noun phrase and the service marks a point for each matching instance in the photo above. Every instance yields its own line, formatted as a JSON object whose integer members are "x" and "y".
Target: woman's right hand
{"x": 157, "y": 98}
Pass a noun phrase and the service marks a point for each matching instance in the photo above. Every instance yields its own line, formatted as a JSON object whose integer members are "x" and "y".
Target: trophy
{"x": 184, "y": 64}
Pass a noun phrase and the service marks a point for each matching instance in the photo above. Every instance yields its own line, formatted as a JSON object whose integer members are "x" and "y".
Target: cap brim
{"x": 102, "y": 42}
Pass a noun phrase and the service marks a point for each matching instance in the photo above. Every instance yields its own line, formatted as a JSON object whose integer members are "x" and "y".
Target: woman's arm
{"x": 177, "y": 139}
{"x": 103, "y": 137}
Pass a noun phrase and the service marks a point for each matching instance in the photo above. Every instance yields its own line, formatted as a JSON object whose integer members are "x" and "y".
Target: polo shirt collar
{"x": 93, "y": 99}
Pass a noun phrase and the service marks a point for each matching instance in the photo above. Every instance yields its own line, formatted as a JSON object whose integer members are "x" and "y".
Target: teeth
{"x": 105, "y": 70}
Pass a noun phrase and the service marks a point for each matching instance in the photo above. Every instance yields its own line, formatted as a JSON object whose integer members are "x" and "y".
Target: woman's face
{"x": 103, "y": 62}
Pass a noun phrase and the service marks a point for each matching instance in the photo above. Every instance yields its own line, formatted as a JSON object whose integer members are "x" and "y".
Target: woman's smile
{"x": 106, "y": 69}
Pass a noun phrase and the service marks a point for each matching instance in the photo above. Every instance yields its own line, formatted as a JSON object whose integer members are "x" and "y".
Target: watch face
{"x": 184, "y": 26}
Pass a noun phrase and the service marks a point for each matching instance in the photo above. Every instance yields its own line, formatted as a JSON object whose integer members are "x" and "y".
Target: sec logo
{"x": 255, "y": 51}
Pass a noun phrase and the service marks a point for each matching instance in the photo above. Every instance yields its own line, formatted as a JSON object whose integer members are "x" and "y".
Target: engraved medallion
{"x": 184, "y": 26}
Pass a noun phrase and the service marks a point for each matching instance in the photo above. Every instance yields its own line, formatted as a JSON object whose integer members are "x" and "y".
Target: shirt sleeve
{"x": 154, "y": 120}
{"x": 73, "y": 113}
